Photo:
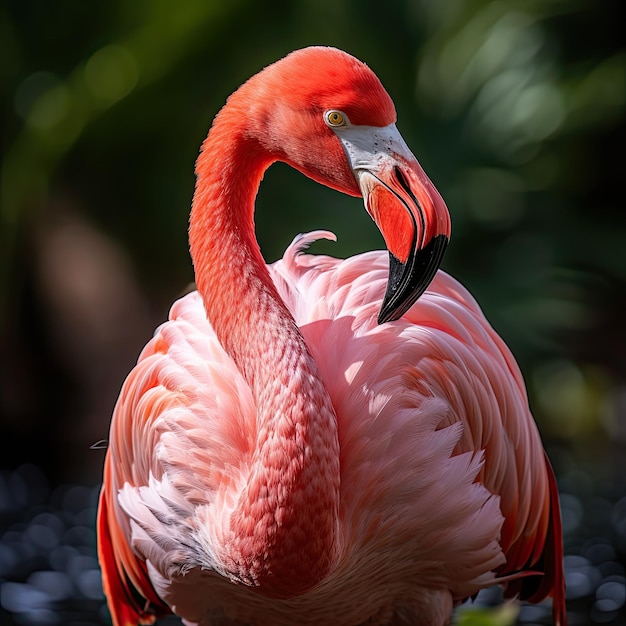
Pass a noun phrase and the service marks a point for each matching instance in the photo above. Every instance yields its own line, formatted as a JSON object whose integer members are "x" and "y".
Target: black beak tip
{"x": 408, "y": 281}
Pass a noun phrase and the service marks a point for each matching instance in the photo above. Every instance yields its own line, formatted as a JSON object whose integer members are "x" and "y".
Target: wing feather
{"x": 461, "y": 360}
{"x": 180, "y": 436}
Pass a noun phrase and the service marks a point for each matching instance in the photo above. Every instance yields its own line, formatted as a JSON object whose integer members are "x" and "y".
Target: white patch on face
{"x": 369, "y": 147}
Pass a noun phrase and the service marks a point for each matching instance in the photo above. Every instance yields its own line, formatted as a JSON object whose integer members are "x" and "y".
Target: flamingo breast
{"x": 418, "y": 402}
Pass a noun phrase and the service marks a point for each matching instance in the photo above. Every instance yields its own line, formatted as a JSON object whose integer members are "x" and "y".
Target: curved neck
{"x": 282, "y": 531}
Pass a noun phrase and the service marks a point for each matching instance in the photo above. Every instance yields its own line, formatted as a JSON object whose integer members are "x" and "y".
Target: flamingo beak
{"x": 408, "y": 210}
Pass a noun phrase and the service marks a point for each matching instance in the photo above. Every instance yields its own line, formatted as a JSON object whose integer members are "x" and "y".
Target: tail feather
{"x": 131, "y": 602}
{"x": 553, "y": 582}
{"x": 551, "y": 578}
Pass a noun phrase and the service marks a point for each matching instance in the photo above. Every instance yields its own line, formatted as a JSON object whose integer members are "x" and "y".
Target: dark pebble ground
{"x": 49, "y": 572}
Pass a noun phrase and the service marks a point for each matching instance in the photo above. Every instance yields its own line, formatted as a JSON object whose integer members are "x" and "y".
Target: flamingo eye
{"x": 335, "y": 118}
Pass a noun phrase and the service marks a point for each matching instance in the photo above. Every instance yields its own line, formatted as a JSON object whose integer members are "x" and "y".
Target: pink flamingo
{"x": 298, "y": 445}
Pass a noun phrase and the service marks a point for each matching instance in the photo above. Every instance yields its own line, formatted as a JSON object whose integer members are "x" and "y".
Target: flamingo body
{"x": 297, "y": 462}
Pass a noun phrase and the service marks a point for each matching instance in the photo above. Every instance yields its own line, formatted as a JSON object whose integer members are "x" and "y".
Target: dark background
{"x": 515, "y": 110}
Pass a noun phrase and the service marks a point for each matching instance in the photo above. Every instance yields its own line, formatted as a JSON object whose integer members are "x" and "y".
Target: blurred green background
{"x": 515, "y": 110}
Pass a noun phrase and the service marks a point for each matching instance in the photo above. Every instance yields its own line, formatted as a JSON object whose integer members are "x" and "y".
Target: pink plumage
{"x": 278, "y": 456}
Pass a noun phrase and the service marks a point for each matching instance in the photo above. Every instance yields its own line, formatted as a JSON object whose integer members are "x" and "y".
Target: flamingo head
{"x": 327, "y": 114}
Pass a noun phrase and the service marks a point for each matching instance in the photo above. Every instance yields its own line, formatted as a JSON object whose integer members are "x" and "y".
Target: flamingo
{"x": 308, "y": 442}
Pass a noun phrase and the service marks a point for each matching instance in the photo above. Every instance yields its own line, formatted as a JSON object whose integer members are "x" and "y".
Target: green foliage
{"x": 504, "y": 615}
